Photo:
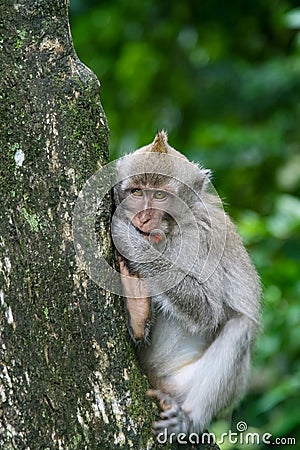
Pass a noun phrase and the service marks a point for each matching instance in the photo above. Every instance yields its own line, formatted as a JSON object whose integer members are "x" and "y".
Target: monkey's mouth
{"x": 144, "y": 233}
{"x": 157, "y": 235}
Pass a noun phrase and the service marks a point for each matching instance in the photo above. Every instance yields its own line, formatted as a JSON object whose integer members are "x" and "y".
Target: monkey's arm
{"x": 137, "y": 303}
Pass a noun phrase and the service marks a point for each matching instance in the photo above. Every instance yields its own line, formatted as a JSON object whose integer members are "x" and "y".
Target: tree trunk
{"x": 68, "y": 378}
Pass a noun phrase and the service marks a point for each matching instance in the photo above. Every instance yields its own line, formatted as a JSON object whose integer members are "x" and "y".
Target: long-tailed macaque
{"x": 191, "y": 291}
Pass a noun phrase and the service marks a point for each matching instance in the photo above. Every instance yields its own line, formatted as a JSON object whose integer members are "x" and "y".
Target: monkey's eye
{"x": 136, "y": 192}
{"x": 160, "y": 195}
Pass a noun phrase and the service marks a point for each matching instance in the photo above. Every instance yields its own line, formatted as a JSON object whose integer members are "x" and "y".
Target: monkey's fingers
{"x": 154, "y": 393}
{"x": 165, "y": 400}
{"x": 123, "y": 268}
{"x": 139, "y": 312}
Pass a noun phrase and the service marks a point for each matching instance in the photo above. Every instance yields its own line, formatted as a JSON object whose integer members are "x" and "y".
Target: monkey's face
{"x": 146, "y": 208}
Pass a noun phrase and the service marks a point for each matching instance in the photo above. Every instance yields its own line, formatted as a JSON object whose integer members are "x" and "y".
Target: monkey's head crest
{"x": 160, "y": 143}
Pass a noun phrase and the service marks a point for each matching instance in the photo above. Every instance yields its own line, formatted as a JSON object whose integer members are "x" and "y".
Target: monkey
{"x": 191, "y": 291}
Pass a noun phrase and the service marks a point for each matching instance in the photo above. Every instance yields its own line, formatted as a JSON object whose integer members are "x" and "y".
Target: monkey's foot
{"x": 174, "y": 419}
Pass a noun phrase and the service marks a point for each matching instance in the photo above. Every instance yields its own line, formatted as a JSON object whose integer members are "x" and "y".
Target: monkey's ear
{"x": 202, "y": 180}
{"x": 160, "y": 143}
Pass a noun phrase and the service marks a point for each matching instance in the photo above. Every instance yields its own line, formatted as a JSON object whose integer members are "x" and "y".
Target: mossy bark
{"x": 68, "y": 378}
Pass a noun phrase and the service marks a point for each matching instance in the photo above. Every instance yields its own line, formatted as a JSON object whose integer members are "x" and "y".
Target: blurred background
{"x": 223, "y": 78}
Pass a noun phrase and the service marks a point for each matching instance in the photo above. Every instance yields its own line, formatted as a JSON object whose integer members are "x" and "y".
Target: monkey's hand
{"x": 174, "y": 419}
{"x": 137, "y": 303}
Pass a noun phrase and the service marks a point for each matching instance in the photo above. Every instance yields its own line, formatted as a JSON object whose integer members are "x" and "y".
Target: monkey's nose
{"x": 144, "y": 216}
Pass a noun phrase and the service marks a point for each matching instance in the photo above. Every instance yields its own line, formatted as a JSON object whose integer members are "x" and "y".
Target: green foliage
{"x": 224, "y": 79}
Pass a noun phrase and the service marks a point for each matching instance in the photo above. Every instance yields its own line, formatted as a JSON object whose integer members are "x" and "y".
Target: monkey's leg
{"x": 212, "y": 382}
{"x": 137, "y": 302}
{"x": 174, "y": 419}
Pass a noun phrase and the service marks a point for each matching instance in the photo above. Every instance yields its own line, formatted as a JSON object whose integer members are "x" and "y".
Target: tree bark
{"x": 68, "y": 377}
